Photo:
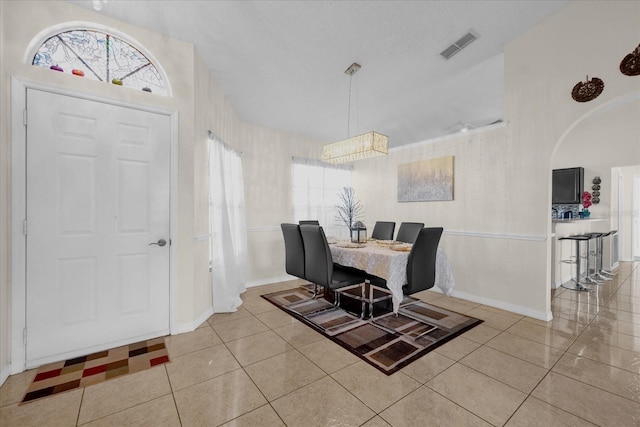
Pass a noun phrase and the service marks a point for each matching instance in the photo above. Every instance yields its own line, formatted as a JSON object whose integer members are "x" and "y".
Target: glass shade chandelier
{"x": 363, "y": 146}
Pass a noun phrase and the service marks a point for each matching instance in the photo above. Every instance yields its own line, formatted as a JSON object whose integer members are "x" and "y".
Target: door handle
{"x": 160, "y": 242}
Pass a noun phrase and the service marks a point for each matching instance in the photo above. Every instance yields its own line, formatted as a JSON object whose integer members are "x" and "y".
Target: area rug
{"x": 390, "y": 341}
{"x": 95, "y": 368}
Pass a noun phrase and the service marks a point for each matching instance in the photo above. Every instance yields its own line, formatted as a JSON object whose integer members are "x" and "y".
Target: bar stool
{"x": 589, "y": 278}
{"x": 578, "y": 286}
{"x": 597, "y": 275}
{"x": 602, "y": 270}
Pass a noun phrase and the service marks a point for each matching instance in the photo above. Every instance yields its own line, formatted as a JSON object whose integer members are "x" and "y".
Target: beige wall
{"x": 21, "y": 22}
{"x": 498, "y": 224}
{"x": 489, "y": 249}
{"x": 497, "y": 230}
{"x": 627, "y": 214}
{"x": 541, "y": 68}
{"x": 201, "y": 106}
{"x": 605, "y": 139}
{"x": 266, "y": 160}
{"x": 5, "y": 171}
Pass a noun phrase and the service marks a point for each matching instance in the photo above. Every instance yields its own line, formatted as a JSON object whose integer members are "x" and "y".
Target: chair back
{"x": 318, "y": 260}
{"x": 293, "y": 249}
{"x": 383, "y": 230}
{"x": 408, "y": 231}
{"x": 421, "y": 266}
{"x": 309, "y": 222}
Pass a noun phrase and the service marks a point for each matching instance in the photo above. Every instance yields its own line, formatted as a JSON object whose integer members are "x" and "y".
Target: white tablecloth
{"x": 392, "y": 266}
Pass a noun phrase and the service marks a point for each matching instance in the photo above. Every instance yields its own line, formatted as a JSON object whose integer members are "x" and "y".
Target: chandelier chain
{"x": 349, "y": 112}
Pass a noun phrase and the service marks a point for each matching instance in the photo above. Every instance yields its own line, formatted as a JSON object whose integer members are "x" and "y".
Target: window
{"x": 100, "y": 56}
{"x": 316, "y": 186}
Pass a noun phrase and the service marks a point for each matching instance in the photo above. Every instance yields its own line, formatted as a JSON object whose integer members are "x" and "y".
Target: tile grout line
{"x": 557, "y": 373}
{"x": 173, "y": 395}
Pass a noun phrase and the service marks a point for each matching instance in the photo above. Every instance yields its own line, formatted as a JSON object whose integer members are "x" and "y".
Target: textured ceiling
{"x": 281, "y": 63}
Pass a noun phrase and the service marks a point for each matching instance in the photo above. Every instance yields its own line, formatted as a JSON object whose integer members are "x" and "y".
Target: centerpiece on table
{"x": 349, "y": 211}
{"x": 586, "y": 202}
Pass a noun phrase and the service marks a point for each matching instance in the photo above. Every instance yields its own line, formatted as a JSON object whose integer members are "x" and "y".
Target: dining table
{"x": 388, "y": 260}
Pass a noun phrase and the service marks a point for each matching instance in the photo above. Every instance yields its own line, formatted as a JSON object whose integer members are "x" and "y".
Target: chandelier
{"x": 369, "y": 144}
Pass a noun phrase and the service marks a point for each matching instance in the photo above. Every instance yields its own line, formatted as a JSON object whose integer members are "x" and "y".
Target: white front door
{"x": 98, "y": 191}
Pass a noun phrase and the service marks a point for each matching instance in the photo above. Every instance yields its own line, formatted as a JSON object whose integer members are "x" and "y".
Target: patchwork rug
{"x": 388, "y": 342}
{"x": 95, "y": 368}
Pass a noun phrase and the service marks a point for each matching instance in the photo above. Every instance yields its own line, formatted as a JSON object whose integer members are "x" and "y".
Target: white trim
{"x": 487, "y": 235}
{"x": 4, "y": 373}
{"x": 18, "y": 205}
{"x": 562, "y": 280}
{"x": 192, "y": 326}
{"x": 173, "y": 222}
{"x": 540, "y": 315}
{"x": 45, "y": 34}
{"x": 93, "y": 349}
{"x": 270, "y": 281}
{"x": 450, "y": 136}
{"x": 260, "y": 229}
{"x": 18, "y": 215}
{"x": 534, "y": 238}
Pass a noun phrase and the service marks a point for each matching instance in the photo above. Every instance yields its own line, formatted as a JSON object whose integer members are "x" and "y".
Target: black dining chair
{"x": 294, "y": 252}
{"x": 383, "y": 230}
{"x": 309, "y": 222}
{"x": 421, "y": 266}
{"x": 408, "y": 231}
{"x": 294, "y": 249}
{"x": 319, "y": 267}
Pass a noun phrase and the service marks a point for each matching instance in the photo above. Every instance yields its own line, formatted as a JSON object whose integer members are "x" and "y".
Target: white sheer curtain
{"x": 228, "y": 226}
{"x": 316, "y": 186}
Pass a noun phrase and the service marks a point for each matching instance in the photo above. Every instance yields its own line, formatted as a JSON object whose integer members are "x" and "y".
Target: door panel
{"x": 97, "y": 195}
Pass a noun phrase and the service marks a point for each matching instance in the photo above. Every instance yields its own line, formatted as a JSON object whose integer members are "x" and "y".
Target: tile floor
{"x": 260, "y": 367}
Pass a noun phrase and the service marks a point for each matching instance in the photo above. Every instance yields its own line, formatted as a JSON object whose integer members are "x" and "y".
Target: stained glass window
{"x": 100, "y": 56}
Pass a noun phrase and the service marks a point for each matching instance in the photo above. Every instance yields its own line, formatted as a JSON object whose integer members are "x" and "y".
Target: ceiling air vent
{"x": 459, "y": 44}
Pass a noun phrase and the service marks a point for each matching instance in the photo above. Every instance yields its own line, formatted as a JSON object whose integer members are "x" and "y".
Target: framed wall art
{"x": 426, "y": 180}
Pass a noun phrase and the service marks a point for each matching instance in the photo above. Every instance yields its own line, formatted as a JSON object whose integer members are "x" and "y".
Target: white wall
{"x": 201, "y": 106}
{"x": 266, "y": 160}
{"x": 541, "y": 68}
{"x": 5, "y": 172}
{"x": 489, "y": 249}
{"x": 626, "y": 214}
{"x": 503, "y": 179}
{"x": 21, "y": 22}
{"x": 606, "y": 139}
{"x": 499, "y": 223}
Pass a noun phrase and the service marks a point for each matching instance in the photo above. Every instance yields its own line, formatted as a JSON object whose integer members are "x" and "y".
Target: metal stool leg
{"x": 577, "y": 285}
{"x": 599, "y": 246}
{"x": 588, "y": 277}
{"x": 602, "y": 270}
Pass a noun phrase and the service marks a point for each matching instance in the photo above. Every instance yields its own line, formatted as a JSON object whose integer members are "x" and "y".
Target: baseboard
{"x": 540, "y": 315}
{"x": 190, "y": 327}
{"x": 4, "y": 373}
{"x": 559, "y": 283}
{"x": 285, "y": 278}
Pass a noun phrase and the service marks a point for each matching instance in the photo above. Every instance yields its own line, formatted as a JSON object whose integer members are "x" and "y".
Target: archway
{"x": 604, "y": 138}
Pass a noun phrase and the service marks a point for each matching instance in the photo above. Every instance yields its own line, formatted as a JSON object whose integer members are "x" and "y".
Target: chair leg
{"x": 363, "y": 302}
{"x": 372, "y": 288}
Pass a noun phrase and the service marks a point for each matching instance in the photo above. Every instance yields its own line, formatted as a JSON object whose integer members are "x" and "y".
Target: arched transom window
{"x": 100, "y": 56}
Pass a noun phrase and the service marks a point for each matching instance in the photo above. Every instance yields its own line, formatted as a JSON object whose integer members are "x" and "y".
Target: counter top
{"x": 572, "y": 220}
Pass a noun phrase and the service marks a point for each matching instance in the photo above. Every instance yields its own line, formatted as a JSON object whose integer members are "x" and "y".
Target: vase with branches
{"x": 349, "y": 208}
